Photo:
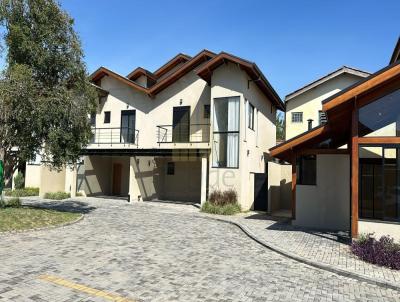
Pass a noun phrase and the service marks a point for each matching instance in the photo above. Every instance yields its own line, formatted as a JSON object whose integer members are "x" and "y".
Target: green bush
{"x": 29, "y": 191}
{"x": 57, "y": 195}
{"x": 226, "y": 209}
{"x": 14, "y": 202}
{"x": 19, "y": 181}
{"x": 79, "y": 194}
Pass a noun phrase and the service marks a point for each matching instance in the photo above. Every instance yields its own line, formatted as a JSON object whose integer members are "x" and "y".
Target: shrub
{"x": 227, "y": 209}
{"x": 79, "y": 194}
{"x": 13, "y": 202}
{"x": 22, "y": 192}
{"x": 384, "y": 252}
{"x": 223, "y": 198}
{"x": 19, "y": 181}
{"x": 56, "y": 195}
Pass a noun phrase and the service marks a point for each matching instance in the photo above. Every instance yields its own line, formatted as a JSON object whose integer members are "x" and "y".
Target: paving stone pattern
{"x": 157, "y": 252}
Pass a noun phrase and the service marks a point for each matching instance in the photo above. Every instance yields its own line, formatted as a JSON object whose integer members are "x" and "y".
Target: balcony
{"x": 121, "y": 136}
{"x": 181, "y": 133}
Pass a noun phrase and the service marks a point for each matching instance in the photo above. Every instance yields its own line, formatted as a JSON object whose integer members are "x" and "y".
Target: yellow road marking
{"x": 85, "y": 289}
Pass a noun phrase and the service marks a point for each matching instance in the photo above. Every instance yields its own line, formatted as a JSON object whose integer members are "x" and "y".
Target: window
{"x": 379, "y": 193}
{"x": 93, "y": 119}
{"x": 170, "y": 168}
{"x": 322, "y": 117}
{"x": 206, "y": 111}
{"x": 297, "y": 117}
{"x": 226, "y": 133}
{"x": 381, "y": 117}
{"x": 306, "y": 170}
{"x": 107, "y": 117}
{"x": 250, "y": 116}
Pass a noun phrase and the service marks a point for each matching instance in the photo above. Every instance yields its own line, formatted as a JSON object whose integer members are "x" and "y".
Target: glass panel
{"x": 226, "y": 114}
{"x": 181, "y": 124}
{"x": 379, "y": 183}
{"x": 381, "y": 117}
{"x": 370, "y": 199}
{"x": 226, "y": 133}
{"x": 128, "y": 126}
{"x": 390, "y": 181}
{"x": 226, "y": 150}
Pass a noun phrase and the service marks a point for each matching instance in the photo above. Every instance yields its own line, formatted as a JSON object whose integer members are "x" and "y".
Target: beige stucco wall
{"x": 32, "y": 175}
{"x": 380, "y": 229}
{"x": 98, "y": 177}
{"x": 51, "y": 180}
{"x": 279, "y": 186}
{"x": 230, "y": 81}
{"x": 190, "y": 90}
{"x": 326, "y": 205}
{"x": 310, "y": 102}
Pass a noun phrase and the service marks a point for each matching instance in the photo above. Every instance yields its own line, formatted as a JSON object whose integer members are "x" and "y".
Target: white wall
{"x": 380, "y": 229}
{"x": 326, "y": 205}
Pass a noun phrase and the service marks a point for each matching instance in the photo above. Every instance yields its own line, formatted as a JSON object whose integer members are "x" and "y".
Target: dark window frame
{"x": 227, "y": 133}
{"x": 93, "y": 120}
{"x": 207, "y": 111}
{"x": 107, "y": 117}
{"x": 250, "y": 116}
{"x": 300, "y": 166}
{"x": 170, "y": 168}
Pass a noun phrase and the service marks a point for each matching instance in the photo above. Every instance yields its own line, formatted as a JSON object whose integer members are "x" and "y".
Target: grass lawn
{"x": 23, "y": 218}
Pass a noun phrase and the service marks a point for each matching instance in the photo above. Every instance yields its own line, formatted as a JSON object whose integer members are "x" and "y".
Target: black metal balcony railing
{"x": 117, "y": 135}
{"x": 193, "y": 133}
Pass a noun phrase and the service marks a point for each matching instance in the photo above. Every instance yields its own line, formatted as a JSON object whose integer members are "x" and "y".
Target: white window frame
{"x": 297, "y": 117}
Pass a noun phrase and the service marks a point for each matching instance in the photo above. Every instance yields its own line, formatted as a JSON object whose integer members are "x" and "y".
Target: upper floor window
{"x": 381, "y": 117}
{"x": 250, "y": 116}
{"x": 306, "y": 170}
{"x": 322, "y": 117}
{"x": 225, "y": 145}
{"x": 207, "y": 111}
{"x": 297, "y": 117}
{"x": 93, "y": 119}
{"x": 107, "y": 117}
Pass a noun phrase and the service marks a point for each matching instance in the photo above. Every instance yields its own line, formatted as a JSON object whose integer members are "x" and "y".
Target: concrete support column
{"x": 134, "y": 190}
{"x": 74, "y": 180}
{"x": 204, "y": 178}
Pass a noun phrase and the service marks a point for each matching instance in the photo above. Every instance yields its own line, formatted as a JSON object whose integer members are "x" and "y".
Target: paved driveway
{"x": 156, "y": 252}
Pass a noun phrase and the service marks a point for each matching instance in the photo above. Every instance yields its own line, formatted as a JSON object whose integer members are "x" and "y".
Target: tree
{"x": 280, "y": 127}
{"x": 45, "y": 94}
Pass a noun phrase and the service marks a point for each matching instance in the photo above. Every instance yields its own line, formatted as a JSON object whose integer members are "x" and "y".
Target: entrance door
{"x": 128, "y": 118}
{"x": 181, "y": 124}
{"x": 260, "y": 192}
{"x": 117, "y": 177}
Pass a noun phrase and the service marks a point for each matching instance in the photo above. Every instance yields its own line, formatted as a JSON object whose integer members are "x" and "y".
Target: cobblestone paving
{"x": 320, "y": 247}
{"x": 153, "y": 252}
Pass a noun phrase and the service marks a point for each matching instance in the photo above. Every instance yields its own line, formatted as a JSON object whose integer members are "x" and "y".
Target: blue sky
{"x": 293, "y": 42}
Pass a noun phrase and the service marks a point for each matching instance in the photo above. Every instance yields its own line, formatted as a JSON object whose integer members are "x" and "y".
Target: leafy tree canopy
{"x": 45, "y": 94}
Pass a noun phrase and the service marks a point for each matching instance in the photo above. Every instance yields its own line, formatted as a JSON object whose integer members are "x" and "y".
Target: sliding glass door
{"x": 379, "y": 183}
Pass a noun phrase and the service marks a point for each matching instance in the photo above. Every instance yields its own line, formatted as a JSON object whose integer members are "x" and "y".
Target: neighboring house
{"x": 304, "y": 106}
{"x": 356, "y": 188}
{"x": 195, "y": 125}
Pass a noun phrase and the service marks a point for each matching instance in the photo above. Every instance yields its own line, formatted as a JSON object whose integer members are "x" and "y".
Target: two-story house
{"x": 304, "y": 106}
{"x": 194, "y": 125}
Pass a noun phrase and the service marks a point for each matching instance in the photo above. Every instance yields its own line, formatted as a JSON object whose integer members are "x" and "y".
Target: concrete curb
{"x": 50, "y": 227}
{"x": 326, "y": 267}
